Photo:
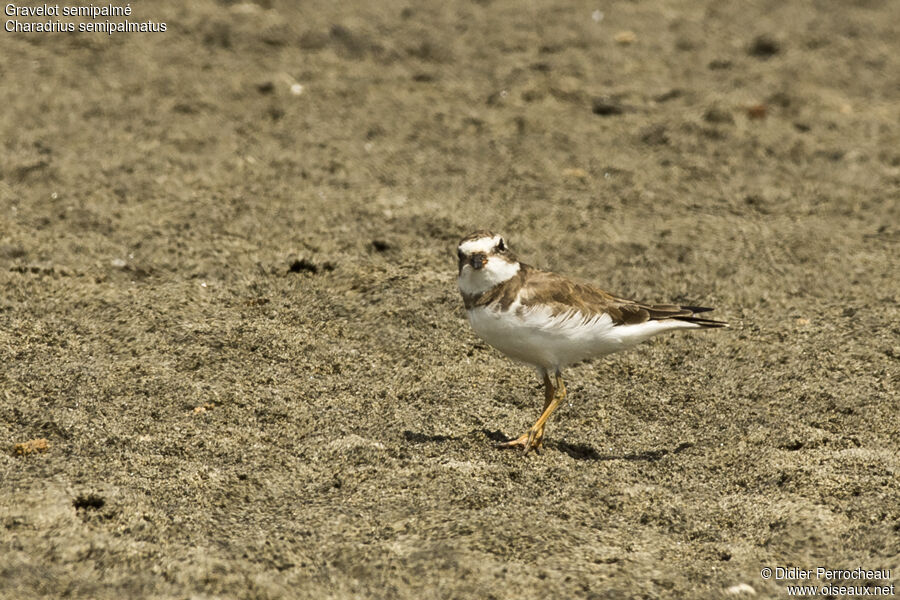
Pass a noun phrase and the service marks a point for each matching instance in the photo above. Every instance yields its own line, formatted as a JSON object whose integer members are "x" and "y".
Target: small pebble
{"x": 741, "y": 588}
{"x": 757, "y": 111}
{"x": 31, "y": 447}
{"x": 764, "y": 47}
{"x": 625, "y": 37}
{"x": 606, "y": 107}
{"x": 575, "y": 172}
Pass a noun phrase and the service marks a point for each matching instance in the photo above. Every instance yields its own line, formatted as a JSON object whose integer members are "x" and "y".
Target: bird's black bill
{"x": 477, "y": 261}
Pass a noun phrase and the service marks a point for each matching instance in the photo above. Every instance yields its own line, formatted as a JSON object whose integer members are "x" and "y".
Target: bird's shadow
{"x": 423, "y": 438}
{"x": 496, "y": 435}
{"x": 586, "y": 452}
{"x": 417, "y": 437}
{"x": 576, "y": 451}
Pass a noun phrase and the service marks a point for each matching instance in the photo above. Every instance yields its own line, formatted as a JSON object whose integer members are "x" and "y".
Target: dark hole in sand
{"x": 88, "y": 502}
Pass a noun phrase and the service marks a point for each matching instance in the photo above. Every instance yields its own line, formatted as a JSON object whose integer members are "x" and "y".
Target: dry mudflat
{"x": 229, "y": 316}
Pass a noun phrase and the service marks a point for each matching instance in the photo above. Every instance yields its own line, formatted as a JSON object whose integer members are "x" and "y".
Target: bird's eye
{"x": 501, "y": 246}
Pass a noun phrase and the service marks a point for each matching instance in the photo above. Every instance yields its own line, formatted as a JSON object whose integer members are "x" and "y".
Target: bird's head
{"x": 485, "y": 260}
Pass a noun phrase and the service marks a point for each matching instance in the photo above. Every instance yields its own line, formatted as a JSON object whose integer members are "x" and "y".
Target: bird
{"x": 550, "y": 321}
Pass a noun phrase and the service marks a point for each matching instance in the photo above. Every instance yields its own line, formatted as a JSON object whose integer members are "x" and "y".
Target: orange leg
{"x": 534, "y": 438}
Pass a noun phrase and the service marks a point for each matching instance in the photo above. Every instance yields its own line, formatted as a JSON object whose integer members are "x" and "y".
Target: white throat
{"x": 495, "y": 272}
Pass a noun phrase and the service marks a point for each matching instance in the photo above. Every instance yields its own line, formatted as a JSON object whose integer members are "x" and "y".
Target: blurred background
{"x": 229, "y": 305}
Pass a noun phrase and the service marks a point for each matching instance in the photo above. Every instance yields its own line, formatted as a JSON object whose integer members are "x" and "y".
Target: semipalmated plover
{"x": 549, "y": 321}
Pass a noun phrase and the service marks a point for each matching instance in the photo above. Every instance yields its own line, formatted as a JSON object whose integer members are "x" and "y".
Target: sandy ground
{"x": 229, "y": 301}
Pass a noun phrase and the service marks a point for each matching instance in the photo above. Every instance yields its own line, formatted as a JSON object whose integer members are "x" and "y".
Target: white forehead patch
{"x": 483, "y": 245}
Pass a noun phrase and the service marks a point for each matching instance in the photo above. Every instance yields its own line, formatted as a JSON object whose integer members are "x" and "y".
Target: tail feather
{"x": 709, "y": 323}
{"x": 697, "y": 309}
{"x": 635, "y": 312}
{"x": 701, "y": 321}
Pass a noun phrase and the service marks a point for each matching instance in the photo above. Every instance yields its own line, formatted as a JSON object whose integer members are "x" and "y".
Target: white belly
{"x": 538, "y": 338}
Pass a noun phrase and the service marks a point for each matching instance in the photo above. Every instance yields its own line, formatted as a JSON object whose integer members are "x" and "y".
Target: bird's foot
{"x": 533, "y": 440}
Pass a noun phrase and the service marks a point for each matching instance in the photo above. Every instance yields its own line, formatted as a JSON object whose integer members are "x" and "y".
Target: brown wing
{"x": 564, "y": 295}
